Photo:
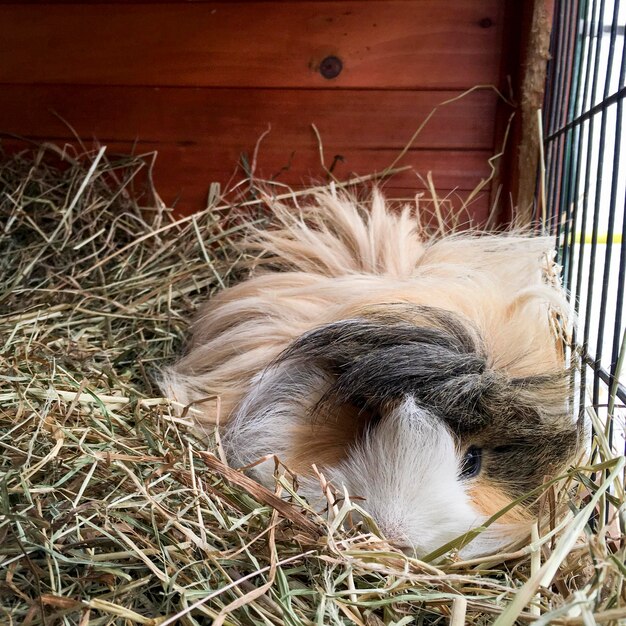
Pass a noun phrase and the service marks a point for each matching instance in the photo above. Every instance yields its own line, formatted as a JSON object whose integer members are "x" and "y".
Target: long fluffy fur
{"x": 481, "y": 306}
{"x": 334, "y": 258}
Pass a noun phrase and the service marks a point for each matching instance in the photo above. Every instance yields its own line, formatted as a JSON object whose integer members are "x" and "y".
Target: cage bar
{"x": 586, "y": 182}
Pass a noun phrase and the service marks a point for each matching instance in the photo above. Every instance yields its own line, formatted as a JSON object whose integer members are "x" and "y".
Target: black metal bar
{"x": 620, "y": 30}
{"x": 618, "y": 323}
{"x": 621, "y": 274}
{"x": 622, "y": 71}
{"x": 579, "y": 104}
{"x": 575, "y": 143}
{"x": 553, "y": 156}
{"x": 559, "y": 77}
{"x": 580, "y": 109}
{"x": 612, "y": 206}
{"x": 594, "y": 110}
{"x": 586, "y": 131}
{"x": 598, "y": 181}
{"x": 591, "y": 56}
{"x": 576, "y": 136}
{"x": 605, "y": 377}
{"x": 568, "y": 155}
{"x": 558, "y": 59}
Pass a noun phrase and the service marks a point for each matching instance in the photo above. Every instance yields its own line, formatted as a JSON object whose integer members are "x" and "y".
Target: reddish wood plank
{"x": 40, "y": 2}
{"x": 75, "y": 2}
{"x": 450, "y": 169}
{"x": 392, "y": 44}
{"x": 183, "y": 174}
{"x": 183, "y": 180}
{"x": 237, "y": 117}
{"x": 190, "y": 164}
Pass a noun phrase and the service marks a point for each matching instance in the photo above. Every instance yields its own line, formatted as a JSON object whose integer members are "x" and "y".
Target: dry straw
{"x": 113, "y": 512}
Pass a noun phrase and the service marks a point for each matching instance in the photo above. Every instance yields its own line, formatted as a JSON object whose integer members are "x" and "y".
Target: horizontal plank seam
{"x": 186, "y": 143}
{"x": 424, "y": 89}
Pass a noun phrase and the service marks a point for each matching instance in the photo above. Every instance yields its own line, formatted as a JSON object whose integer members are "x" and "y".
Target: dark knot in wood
{"x": 331, "y": 67}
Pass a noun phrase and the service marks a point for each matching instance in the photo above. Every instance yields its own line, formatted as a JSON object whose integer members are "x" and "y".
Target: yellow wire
{"x": 602, "y": 238}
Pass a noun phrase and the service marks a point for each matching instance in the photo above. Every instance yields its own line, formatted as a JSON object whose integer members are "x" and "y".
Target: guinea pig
{"x": 422, "y": 374}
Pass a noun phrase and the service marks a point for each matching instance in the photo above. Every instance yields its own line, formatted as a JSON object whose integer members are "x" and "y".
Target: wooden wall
{"x": 201, "y": 81}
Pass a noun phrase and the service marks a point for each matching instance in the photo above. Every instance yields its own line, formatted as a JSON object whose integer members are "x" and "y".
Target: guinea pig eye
{"x": 472, "y": 461}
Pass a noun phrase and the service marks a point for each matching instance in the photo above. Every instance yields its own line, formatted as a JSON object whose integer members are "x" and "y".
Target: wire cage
{"x": 585, "y": 187}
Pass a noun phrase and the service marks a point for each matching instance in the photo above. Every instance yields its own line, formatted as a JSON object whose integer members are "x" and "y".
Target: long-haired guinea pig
{"x": 423, "y": 375}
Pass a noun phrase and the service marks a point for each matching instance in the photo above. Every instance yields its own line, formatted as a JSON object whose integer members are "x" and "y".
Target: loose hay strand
{"x": 113, "y": 511}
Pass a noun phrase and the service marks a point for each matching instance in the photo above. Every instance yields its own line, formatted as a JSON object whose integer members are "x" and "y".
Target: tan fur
{"x": 335, "y": 259}
{"x": 324, "y": 443}
{"x": 489, "y": 500}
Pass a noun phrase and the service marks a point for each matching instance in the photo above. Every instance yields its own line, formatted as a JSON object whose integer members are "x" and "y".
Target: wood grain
{"x": 428, "y": 44}
{"x": 237, "y": 117}
{"x": 200, "y": 82}
{"x": 199, "y": 164}
{"x": 182, "y": 174}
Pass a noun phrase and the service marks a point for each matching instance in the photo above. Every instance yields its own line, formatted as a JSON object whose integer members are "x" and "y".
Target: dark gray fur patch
{"x": 523, "y": 424}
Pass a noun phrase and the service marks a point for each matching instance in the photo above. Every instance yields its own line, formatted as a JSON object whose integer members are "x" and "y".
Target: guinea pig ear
{"x": 278, "y": 417}
{"x": 376, "y": 361}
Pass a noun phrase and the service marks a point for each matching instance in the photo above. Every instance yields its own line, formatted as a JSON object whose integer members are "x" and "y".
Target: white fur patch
{"x": 326, "y": 263}
{"x": 407, "y": 470}
{"x": 278, "y": 399}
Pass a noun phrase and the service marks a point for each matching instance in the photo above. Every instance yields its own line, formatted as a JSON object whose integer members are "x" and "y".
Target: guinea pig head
{"x": 401, "y": 406}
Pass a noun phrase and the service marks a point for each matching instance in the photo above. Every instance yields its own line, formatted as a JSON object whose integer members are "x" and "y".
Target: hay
{"x": 113, "y": 512}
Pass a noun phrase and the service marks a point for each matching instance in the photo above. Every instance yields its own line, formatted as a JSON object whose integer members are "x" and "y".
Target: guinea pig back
{"x": 425, "y": 375}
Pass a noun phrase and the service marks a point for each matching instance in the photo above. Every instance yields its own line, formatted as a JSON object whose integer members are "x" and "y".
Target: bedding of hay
{"x": 113, "y": 512}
